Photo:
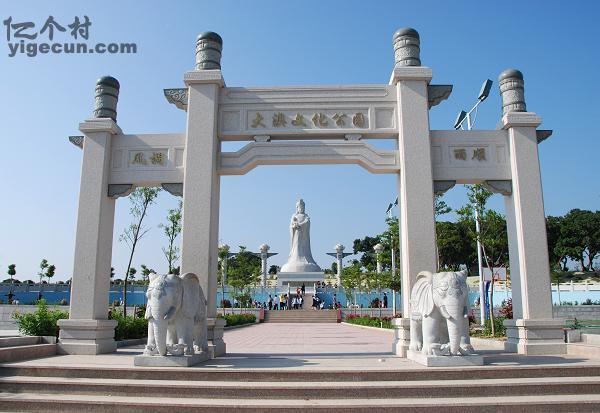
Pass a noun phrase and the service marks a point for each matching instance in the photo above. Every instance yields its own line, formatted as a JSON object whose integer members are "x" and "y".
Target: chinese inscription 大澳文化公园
{"x": 319, "y": 120}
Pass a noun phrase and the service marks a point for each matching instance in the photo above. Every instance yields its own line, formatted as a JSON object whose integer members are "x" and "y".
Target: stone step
{"x": 303, "y": 390}
{"x": 591, "y": 339}
{"x": 584, "y": 349}
{"x": 273, "y": 375}
{"x": 97, "y": 403}
{"x": 19, "y": 341}
{"x": 16, "y": 353}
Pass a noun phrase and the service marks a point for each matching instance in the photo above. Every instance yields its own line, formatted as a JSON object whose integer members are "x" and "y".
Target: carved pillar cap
{"x": 407, "y": 47}
{"x": 512, "y": 90}
{"x": 107, "y": 96}
{"x": 208, "y": 51}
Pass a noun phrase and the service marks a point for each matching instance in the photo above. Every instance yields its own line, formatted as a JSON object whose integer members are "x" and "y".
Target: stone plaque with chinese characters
{"x": 148, "y": 158}
{"x": 369, "y": 111}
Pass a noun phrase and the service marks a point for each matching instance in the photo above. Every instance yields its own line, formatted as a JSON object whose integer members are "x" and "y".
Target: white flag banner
{"x": 499, "y": 273}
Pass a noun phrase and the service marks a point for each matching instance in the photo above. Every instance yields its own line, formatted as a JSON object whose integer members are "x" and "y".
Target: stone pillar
{"x": 415, "y": 180}
{"x": 201, "y": 182}
{"x": 88, "y": 329}
{"x": 533, "y": 329}
{"x": 264, "y": 255}
{"x": 378, "y": 248}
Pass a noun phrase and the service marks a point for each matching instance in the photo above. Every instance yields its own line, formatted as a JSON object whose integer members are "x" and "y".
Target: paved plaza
{"x": 325, "y": 347}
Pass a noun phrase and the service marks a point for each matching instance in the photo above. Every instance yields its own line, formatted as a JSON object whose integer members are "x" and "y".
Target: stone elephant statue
{"x": 439, "y": 322}
{"x": 176, "y": 314}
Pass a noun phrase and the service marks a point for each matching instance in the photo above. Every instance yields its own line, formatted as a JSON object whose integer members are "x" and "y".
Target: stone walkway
{"x": 308, "y": 340}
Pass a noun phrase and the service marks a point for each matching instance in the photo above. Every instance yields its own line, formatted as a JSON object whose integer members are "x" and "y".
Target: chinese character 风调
{"x": 139, "y": 158}
{"x": 157, "y": 158}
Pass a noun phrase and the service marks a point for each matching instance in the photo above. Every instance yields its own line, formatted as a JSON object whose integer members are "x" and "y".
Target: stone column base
{"x": 86, "y": 336}
{"x": 535, "y": 337}
{"x": 401, "y": 336}
{"x": 216, "y": 345}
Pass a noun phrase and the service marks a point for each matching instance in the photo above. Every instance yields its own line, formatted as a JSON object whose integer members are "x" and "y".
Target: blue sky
{"x": 555, "y": 45}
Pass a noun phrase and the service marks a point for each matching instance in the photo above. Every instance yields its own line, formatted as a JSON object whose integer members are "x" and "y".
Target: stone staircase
{"x": 26, "y": 347}
{"x": 305, "y": 315}
{"x": 558, "y": 388}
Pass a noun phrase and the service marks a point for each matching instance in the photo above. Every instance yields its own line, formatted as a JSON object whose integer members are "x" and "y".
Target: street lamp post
{"x": 471, "y": 117}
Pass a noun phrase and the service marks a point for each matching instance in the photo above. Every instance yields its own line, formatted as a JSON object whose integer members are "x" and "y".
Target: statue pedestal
{"x": 296, "y": 279}
{"x": 445, "y": 361}
{"x": 170, "y": 361}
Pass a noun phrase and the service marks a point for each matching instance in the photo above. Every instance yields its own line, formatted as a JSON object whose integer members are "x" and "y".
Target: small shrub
{"x": 43, "y": 322}
{"x": 499, "y": 328}
{"x": 129, "y": 327}
{"x": 239, "y": 319}
{"x": 383, "y": 322}
{"x": 506, "y": 310}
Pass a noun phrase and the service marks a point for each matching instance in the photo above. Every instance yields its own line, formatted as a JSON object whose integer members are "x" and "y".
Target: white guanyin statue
{"x": 300, "y": 258}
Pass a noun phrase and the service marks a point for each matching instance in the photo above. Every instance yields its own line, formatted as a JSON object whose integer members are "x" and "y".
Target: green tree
{"x": 43, "y": 267}
{"x": 145, "y": 271}
{"x": 580, "y": 237}
{"x": 557, "y": 252}
{"x": 12, "y": 271}
{"x": 274, "y": 269}
{"x": 492, "y": 234}
{"x": 172, "y": 229}
{"x": 454, "y": 247}
{"x": 141, "y": 199}
{"x": 243, "y": 271}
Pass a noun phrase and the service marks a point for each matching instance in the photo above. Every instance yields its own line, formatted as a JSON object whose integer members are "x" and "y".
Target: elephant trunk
{"x": 160, "y": 336}
{"x": 454, "y": 335}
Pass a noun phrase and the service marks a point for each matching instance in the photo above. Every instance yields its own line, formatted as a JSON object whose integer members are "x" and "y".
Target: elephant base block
{"x": 445, "y": 361}
{"x": 170, "y": 361}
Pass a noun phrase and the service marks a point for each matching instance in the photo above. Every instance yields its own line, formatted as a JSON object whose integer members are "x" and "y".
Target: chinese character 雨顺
{"x": 83, "y": 29}
{"x": 339, "y": 119}
{"x": 157, "y": 158}
{"x": 479, "y": 154}
{"x": 460, "y": 154}
{"x": 258, "y": 121}
{"x": 358, "y": 120}
{"x": 50, "y": 25}
{"x": 319, "y": 119}
{"x": 139, "y": 158}
{"x": 279, "y": 119}
{"x": 19, "y": 28}
{"x": 298, "y": 120}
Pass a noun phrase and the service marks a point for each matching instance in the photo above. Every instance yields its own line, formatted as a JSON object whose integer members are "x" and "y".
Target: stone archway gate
{"x": 311, "y": 125}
